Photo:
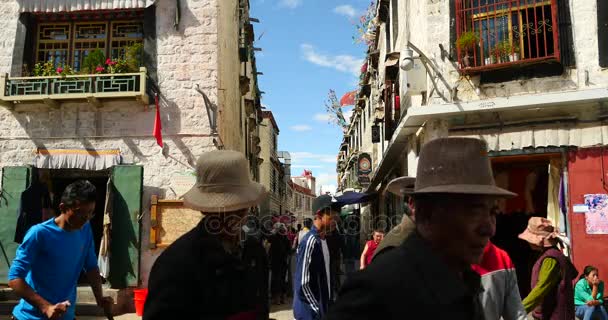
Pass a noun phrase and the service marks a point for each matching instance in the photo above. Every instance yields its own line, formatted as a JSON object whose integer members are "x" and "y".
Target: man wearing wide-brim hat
{"x": 201, "y": 275}
{"x": 430, "y": 275}
{"x": 500, "y": 295}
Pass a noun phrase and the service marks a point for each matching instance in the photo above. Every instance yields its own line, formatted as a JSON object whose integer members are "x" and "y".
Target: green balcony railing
{"x": 59, "y": 88}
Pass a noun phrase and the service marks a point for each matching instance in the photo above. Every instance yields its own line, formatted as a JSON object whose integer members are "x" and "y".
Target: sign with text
{"x": 364, "y": 168}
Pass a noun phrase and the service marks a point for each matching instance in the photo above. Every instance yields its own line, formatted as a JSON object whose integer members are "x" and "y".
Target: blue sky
{"x": 307, "y": 50}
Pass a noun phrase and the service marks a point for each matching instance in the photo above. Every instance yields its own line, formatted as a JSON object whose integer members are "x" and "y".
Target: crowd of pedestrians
{"x": 437, "y": 263}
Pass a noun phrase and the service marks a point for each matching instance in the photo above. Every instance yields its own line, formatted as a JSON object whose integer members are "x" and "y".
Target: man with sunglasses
{"x": 51, "y": 257}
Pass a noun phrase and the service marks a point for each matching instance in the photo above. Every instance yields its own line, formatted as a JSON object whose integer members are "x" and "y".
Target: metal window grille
{"x": 506, "y": 32}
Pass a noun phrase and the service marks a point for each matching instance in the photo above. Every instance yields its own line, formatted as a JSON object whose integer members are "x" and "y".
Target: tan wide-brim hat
{"x": 540, "y": 232}
{"x": 401, "y": 186}
{"x": 456, "y": 165}
{"x": 223, "y": 184}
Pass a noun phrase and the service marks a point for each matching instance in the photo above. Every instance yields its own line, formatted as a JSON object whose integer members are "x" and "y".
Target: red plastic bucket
{"x": 139, "y": 299}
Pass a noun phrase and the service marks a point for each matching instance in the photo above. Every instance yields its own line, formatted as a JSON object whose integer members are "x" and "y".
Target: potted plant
{"x": 508, "y": 51}
{"x": 467, "y": 42}
{"x": 490, "y": 56}
{"x": 514, "y": 52}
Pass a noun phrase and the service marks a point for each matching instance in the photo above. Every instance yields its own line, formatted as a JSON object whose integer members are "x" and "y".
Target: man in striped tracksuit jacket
{"x": 311, "y": 281}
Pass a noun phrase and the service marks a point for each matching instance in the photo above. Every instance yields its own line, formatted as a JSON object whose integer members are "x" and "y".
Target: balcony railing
{"x": 494, "y": 34}
{"x": 91, "y": 87}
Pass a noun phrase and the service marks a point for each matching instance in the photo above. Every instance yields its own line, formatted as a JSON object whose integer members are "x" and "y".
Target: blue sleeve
{"x": 26, "y": 254}
{"x": 90, "y": 260}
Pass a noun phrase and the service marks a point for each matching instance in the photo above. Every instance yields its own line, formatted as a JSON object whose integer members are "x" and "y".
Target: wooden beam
{"x": 154, "y": 225}
{"x": 52, "y": 103}
{"x": 95, "y": 102}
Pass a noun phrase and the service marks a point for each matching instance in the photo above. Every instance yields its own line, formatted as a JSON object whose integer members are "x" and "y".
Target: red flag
{"x": 157, "y": 133}
{"x": 348, "y": 99}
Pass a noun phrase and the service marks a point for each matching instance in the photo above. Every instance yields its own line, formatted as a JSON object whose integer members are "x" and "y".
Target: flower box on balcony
{"x": 91, "y": 87}
{"x": 507, "y": 33}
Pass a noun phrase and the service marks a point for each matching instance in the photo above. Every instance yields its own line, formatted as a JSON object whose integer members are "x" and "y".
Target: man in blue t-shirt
{"x": 51, "y": 257}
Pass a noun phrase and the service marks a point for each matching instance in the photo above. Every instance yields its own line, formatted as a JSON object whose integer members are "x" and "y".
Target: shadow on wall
{"x": 174, "y": 22}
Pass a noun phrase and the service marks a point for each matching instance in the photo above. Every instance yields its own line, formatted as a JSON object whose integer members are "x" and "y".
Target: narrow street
{"x": 205, "y": 157}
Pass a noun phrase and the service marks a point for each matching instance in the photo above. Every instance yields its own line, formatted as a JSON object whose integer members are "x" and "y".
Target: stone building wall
{"x": 186, "y": 57}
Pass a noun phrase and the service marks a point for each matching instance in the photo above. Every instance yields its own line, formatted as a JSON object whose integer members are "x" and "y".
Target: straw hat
{"x": 401, "y": 186}
{"x": 223, "y": 184}
{"x": 456, "y": 165}
{"x": 540, "y": 232}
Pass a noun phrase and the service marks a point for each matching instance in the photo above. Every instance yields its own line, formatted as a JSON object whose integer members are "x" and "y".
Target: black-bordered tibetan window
{"x": 494, "y": 34}
{"x": 67, "y": 39}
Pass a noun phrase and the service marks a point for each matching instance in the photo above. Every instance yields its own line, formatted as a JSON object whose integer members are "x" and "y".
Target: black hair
{"x": 587, "y": 271}
{"x": 81, "y": 191}
{"x": 308, "y": 223}
{"x": 378, "y": 230}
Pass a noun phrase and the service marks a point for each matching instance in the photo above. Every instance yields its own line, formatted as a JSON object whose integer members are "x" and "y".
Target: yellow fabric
{"x": 553, "y": 210}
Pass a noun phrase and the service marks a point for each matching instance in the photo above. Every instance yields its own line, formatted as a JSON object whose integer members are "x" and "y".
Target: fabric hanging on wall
{"x": 103, "y": 259}
{"x": 554, "y": 212}
{"x": 50, "y": 6}
{"x": 84, "y": 159}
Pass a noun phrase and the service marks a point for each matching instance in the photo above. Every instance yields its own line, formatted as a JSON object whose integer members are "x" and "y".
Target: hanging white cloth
{"x": 81, "y": 5}
{"x": 103, "y": 259}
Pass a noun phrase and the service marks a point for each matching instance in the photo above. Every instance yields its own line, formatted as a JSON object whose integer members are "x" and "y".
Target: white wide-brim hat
{"x": 223, "y": 184}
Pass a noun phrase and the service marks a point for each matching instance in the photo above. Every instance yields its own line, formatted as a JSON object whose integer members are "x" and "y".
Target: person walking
{"x": 312, "y": 291}
{"x": 552, "y": 292}
{"x": 202, "y": 274}
{"x": 48, "y": 263}
{"x": 589, "y": 296}
{"x": 370, "y": 248}
{"x": 278, "y": 255}
{"x": 430, "y": 274}
{"x": 500, "y": 295}
{"x": 302, "y": 233}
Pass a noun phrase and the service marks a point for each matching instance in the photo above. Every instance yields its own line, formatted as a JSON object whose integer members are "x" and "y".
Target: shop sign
{"x": 364, "y": 169}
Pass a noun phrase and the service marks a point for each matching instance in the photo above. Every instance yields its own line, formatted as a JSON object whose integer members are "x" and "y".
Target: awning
{"x": 84, "y": 159}
{"x": 81, "y": 5}
{"x": 392, "y": 59}
{"x": 351, "y": 197}
{"x": 547, "y": 136}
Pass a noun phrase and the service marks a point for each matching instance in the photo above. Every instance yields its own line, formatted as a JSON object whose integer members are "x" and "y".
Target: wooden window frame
{"x": 72, "y": 41}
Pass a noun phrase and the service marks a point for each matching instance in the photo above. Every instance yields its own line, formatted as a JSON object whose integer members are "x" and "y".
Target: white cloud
{"x": 297, "y": 156}
{"x": 322, "y": 117}
{"x": 348, "y": 114}
{"x": 291, "y": 4}
{"x": 301, "y": 127}
{"x": 342, "y": 63}
{"x": 346, "y": 10}
{"x": 331, "y": 188}
{"x": 327, "y": 182}
{"x": 309, "y": 160}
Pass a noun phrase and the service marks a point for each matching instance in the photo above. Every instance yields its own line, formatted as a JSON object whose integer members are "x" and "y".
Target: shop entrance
{"x": 529, "y": 177}
{"x": 61, "y": 178}
{"x": 125, "y": 184}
